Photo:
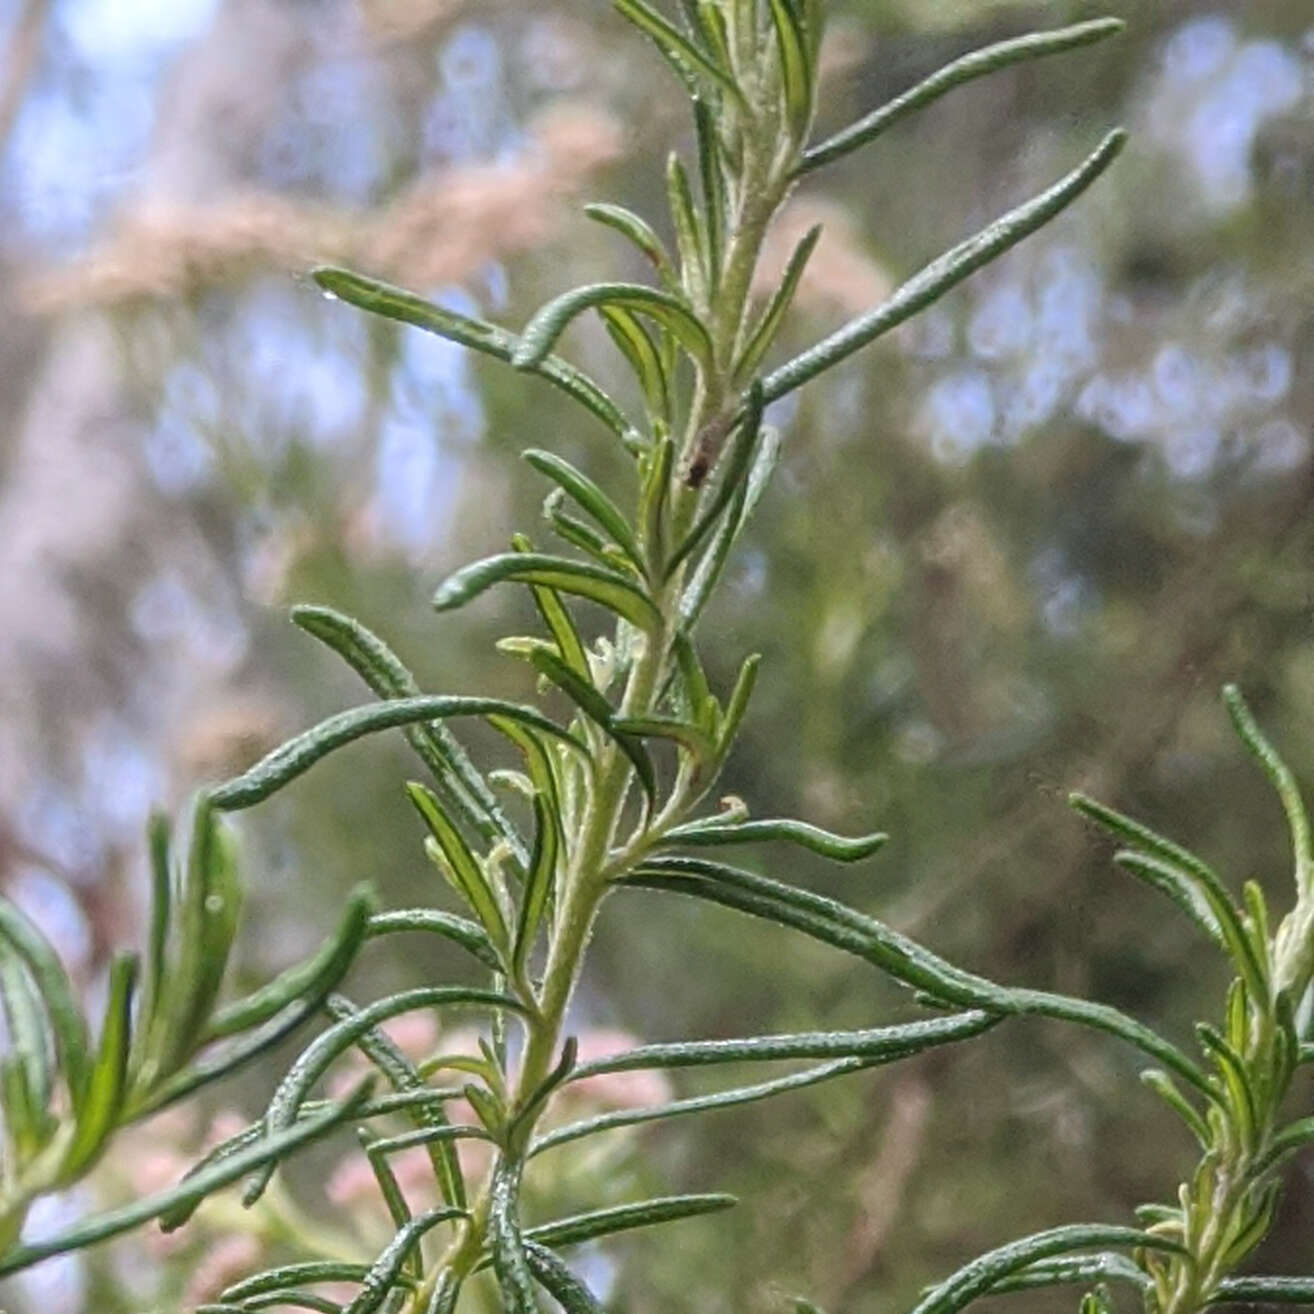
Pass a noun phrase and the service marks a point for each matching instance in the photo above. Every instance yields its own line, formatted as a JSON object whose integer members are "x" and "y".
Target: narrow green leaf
{"x": 1254, "y": 1227}
{"x": 29, "y": 1048}
{"x": 389, "y": 1188}
{"x": 1164, "y": 1086}
{"x": 839, "y": 848}
{"x": 700, "y": 1104}
{"x": 600, "y": 711}
{"x": 689, "y": 237}
{"x": 640, "y": 232}
{"x": 975, "y": 65}
{"x": 158, "y": 841}
{"x": 766, "y": 328}
{"x": 67, "y": 1024}
{"x": 880, "y": 1043}
{"x": 730, "y": 490}
{"x": 1280, "y": 777}
{"x": 909, "y": 962}
{"x": 428, "y": 1135}
{"x": 478, "y": 335}
{"x": 589, "y": 496}
{"x": 26, "y": 1122}
{"x": 208, "y": 907}
{"x": 556, "y": 616}
{"x": 1073, "y": 1270}
{"x": 1236, "y": 1077}
{"x": 469, "y": 935}
{"x": 698, "y": 698}
{"x": 316, "y": 1059}
{"x": 107, "y": 1085}
{"x": 298, "y": 755}
{"x": 269, "y": 1149}
{"x": 303, "y": 1274}
{"x": 579, "y": 534}
{"x": 1264, "y": 1291}
{"x": 677, "y": 48}
{"x": 316, "y": 977}
{"x": 795, "y": 67}
{"x": 654, "y": 501}
{"x": 982, "y": 1274}
{"x": 944, "y": 273}
{"x": 464, "y": 866}
{"x": 1169, "y": 879}
{"x": 559, "y": 1282}
{"x": 514, "y": 1278}
{"x": 713, "y": 560}
{"x": 438, "y": 748}
{"x": 605, "y": 587}
{"x": 446, "y": 1294}
{"x": 532, "y": 1105}
{"x": 633, "y": 342}
{"x": 624, "y": 1218}
{"x": 540, "y": 884}
{"x": 664, "y": 308}
{"x": 1196, "y": 870}
{"x": 382, "y": 1278}
{"x": 715, "y": 206}
{"x": 737, "y": 704}
{"x": 385, "y": 1106}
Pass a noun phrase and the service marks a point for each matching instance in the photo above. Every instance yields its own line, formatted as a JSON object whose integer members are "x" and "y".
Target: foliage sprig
{"x": 610, "y": 792}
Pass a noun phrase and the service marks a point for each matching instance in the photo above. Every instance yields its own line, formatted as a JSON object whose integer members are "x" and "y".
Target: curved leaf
{"x": 190, "y": 1192}
{"x": 510, "y": 1263}
{"x": 766, "y": 328}
{"x": 600, "y": 711}
{"x": 396, "y": 303}
{"x": 730, "y": 491}
{"x": 983, "y": 1273}
{"x": 107, "y": 1084}
{"x": 677, "y": 48}
{"x": 383, "y": 1275}
{"x": 1264, "y": 1291}
{"x": 905, "y": 959}
{"x": 795, "y": 66}
{"x": 1280, "y": 777}
{"x": 977, "y": 64}
{"x": 944, "y": 273}
{"x": 437, "y": 747}
{"x": 67, "y": 1024}
{"x": 298, "y": 755}
{"x": 291, "y": 1275}
{"x": 314, "y": 978}
{"x": 639, "y": 231}
{"x": 666, "y": 309}
{"x": 462, "y": 864}
{"x": 1080, "y": 1269}
{"x": 459, "y": 930}
{"x": 839, "y": 848}
{"x": 316, "y": 1059}
{"x": 540, "y": 883}
{"x": 880, "y": 1043}
{"x": 624, "y": 1218}
{"x": 1198, "y": 873}
{"x": 559, "y": 1282}
{"x": 605, "y": 587}
{"x": 701, "y": 1103}
{"x": 633, "y": 342}
{"x": 589, "y": 496}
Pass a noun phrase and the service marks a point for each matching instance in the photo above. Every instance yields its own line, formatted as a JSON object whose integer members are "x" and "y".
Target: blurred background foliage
{"x": 1014, "y": 550}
